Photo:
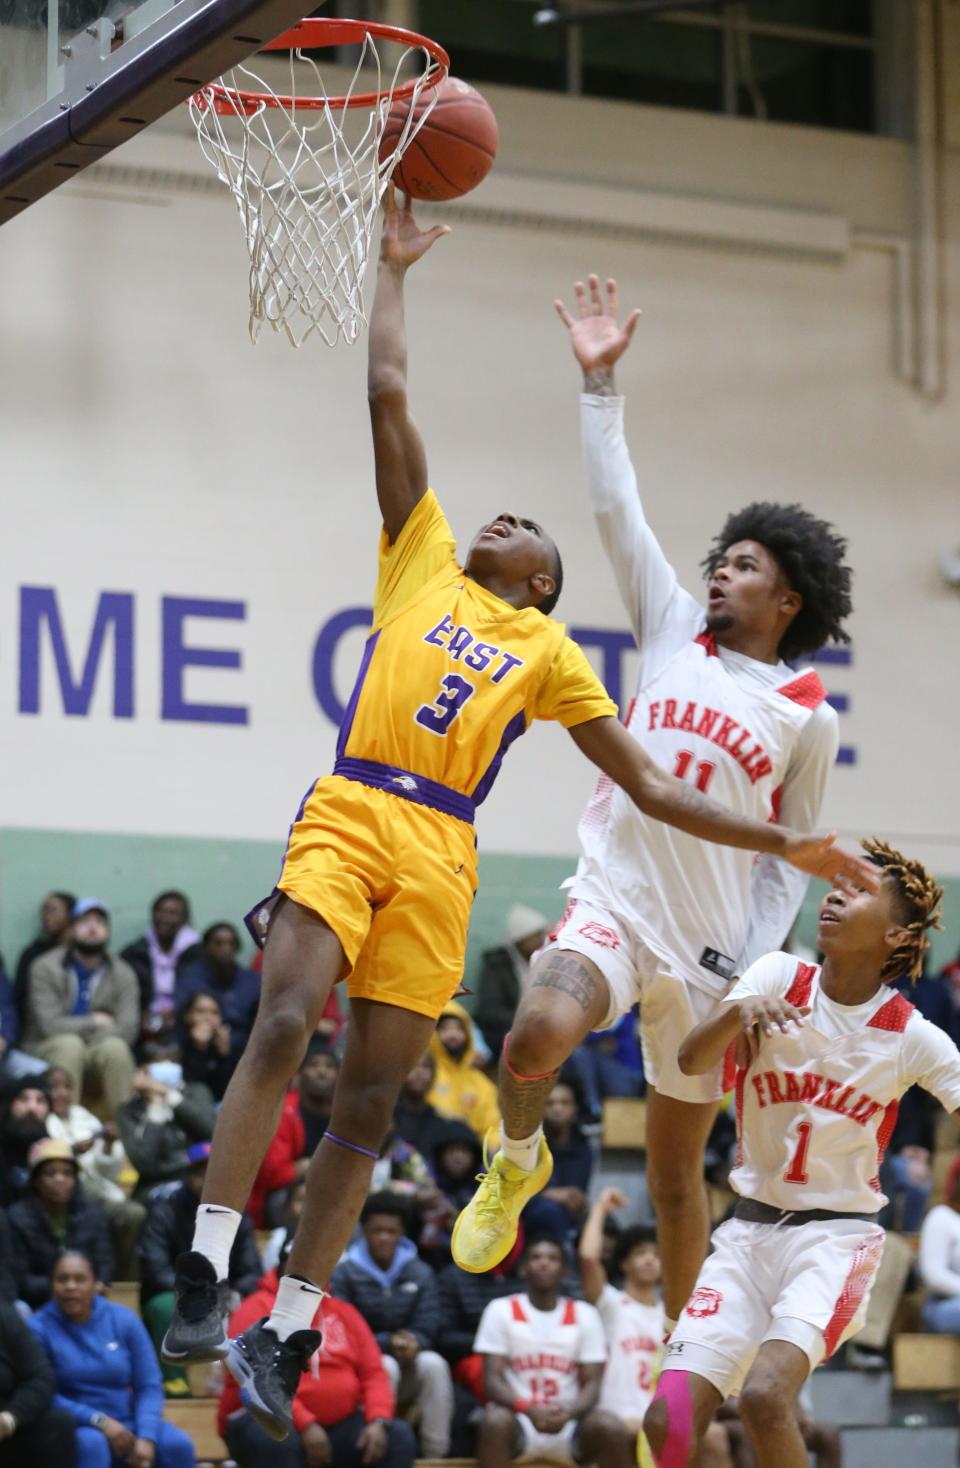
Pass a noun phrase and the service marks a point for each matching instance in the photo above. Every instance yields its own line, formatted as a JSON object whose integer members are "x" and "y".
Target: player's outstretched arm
{"x": 754, "y": 1016}
{"x": 607, "y": 743}
{"x": 593, "y": 1276}
{"x": 399, "y": 458}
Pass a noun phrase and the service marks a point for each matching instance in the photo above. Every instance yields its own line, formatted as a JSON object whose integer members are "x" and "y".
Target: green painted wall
{"x": 225, "y": 878}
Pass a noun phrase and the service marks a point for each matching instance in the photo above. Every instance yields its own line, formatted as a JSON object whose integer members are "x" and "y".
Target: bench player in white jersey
{"x": 543, "y": 1362}
{"x": 632, "y": 1316}
{"x": 657, "y": 916}
{"x": 824, "y": 1056}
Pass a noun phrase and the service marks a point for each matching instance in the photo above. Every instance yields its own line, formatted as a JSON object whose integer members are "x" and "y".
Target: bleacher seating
{"x": 624, "y": 1122}
{"x": 926, "y": 1363}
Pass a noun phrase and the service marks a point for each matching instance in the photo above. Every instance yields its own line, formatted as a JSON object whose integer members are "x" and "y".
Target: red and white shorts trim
{"x": 808, "y": 1284}
{"x": 670, "y": 1006}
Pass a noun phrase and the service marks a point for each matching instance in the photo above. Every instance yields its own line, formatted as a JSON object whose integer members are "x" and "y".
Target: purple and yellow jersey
{"x": 452, "y": 675}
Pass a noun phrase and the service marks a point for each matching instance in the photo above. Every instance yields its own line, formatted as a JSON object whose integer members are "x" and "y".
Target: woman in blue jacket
{"x": 107, "y": 1375}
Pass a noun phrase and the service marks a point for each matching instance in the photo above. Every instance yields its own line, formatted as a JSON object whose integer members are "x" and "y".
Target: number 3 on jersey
{"x": 439, "y": 715}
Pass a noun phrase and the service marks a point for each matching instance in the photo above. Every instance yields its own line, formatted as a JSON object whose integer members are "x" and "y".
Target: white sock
{"x": 214, "y": 1233}
{"x": 296, "y": 1304}
{"x": 524, "y": 1151}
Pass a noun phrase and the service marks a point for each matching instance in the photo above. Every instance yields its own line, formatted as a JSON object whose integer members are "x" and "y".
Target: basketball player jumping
{"x": 380, "y": 869}
{"x": 827, "y": 1053}
{"x": 657, "y": 915}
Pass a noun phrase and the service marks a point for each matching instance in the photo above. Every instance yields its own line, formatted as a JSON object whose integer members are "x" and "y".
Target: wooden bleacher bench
{"x": 926, "y": 1363}
{"x": 198, "y": 1419}
{"x": 125, "y": 1292}
{"x": 624, "y": 1122}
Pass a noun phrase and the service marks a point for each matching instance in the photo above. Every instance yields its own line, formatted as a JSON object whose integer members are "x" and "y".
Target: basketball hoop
{"x": 305, "y": 173}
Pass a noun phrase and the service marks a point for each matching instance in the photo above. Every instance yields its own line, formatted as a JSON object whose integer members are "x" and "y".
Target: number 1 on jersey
{"x": 704, "y": 768}
{"x": 797, "y": 1171}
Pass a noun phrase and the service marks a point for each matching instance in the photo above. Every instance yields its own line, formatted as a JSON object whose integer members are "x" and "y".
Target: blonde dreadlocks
{"x": 919, "y": 898}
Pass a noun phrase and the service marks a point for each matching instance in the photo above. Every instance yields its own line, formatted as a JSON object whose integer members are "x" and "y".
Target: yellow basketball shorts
{"x": 395, "y": 881}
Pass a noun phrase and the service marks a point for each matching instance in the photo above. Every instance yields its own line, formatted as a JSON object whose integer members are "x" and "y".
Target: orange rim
{"x": 314, "y": 34}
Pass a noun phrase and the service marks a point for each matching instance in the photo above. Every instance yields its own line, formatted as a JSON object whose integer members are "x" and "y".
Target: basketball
{"x": 453, "y": 150}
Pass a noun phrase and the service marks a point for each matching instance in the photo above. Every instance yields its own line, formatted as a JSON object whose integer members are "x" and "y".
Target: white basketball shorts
{"x": 670, "y": 1006}
{"x": 808, "y": 1284}
{"x": 557, "y": 1447}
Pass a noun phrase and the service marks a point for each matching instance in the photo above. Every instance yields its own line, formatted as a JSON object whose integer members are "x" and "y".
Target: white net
{"x": 307, "y": 181}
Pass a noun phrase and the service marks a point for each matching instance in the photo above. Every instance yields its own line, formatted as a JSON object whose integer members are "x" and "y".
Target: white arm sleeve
{"x": 777, "y": 889}
{"x": 654, "y": 600}
{"x": 938, "y": 1239}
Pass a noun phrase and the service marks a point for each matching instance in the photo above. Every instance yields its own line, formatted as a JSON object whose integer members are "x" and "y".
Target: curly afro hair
{"x": 810, "y": 554}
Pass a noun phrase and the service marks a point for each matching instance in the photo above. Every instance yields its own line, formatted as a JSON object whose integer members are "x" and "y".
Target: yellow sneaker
{"x": 486, "y": 1230}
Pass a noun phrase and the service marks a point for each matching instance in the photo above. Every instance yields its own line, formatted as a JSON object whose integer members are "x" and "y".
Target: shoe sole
{"x": 242, "y": 1373}
{"x": 194, "y": 1354}
{"x": 492, "y": 1260}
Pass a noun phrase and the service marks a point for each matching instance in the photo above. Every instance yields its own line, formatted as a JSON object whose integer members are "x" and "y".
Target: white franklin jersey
{"x": 817, "y": 1108}
{"x": 756, "y": 737}
{"x": 545, "y": 1348}
{"x": 634, "y": 1334}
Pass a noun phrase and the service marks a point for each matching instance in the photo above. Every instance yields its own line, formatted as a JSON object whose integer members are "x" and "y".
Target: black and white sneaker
{"x": 268, "y": 1371}
{"x": 198, "y": 1330}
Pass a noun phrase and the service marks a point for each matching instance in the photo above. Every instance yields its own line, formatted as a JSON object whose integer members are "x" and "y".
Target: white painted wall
{"x": 147, "y": 447}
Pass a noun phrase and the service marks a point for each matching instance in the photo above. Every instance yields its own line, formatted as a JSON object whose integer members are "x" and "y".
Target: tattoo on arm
{"x": 599, "y": 381}
{"x": 567, "y": 973}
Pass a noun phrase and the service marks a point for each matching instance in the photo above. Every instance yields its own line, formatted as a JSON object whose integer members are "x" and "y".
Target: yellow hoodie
{"x": 459, "y": 1089}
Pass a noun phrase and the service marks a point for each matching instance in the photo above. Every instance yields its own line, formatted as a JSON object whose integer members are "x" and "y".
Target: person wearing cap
{"x": 167, "y": 1232}
{"x": 54, "y": 1217}
{"x": 83, "y": 1007}
{"x": 503, "y": 973}
{"x": 460, "y": 1091}
{"x": 107, "y": 1375}
{"x": 23, "y": 1122}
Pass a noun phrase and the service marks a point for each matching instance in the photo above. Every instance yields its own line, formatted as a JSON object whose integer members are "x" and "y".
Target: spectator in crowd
{"x": 24, "y": 1122}
{"x": 457, "y": 1157}
{"x": 400, "y": 1169}
{"x": 503, "y": 972}
{"x": 396, "y": 1293}
{"x": 11, "y": 1268}
{"x": 632, "y": 1316}
{"x": 163, "y": 1117}
{"x": 216, "y": 970}
{"x": 83, "y": 1007}
{"x": 282, "y": 1235}
{"x": 102, "y": 1160}
{"x": 55, "y": 910}
{"x": 906, "y": 1174}
{"x": 53, "y": 1217}
{"x": 608, "y": 1063}
{"x": 415, "y": 1120}
{"x": 343, "y": 1407}
{"x": 569, "y": 1182}
{"x": 543, "y": 1367}
{"x": 33, "y": 1433}
{"x": 205, "y": 1043}
{"x": 463, "y": 1299}
{"x": 303, "y": 1121}
{"x": 940, "y": 1259}
{"x": 168, "y": 1231}
{"x": 14, "y": 1063}
{"x": 168, "y": 945}
{"x": 107, "y": 1375}
{"x": 934, "y": 996}
{"x": 460, "y": 1090}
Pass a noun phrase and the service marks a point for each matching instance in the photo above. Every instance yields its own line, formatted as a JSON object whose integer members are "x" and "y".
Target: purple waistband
{"x": 409, "y": 787}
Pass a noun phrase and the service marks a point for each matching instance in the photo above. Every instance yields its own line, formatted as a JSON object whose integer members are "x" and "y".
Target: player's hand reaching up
{"x": 820, "y": 856}
{"x": 596, "y": 336}
{"x": 402, "y": 241}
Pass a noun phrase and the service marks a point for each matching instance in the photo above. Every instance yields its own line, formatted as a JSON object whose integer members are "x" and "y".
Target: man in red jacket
{"x": 303, "y": 1121}
{"x": 343, "y": 1408}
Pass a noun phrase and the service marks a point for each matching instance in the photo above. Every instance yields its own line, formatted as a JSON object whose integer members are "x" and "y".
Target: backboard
{"x": 79, "y": 77}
